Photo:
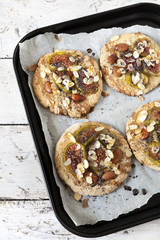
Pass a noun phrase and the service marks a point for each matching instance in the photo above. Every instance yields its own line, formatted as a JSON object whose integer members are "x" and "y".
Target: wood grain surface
{"x": 25, "y": 211}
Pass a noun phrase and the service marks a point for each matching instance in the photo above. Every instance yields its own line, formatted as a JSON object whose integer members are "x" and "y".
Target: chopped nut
{"x": 109, "y": 153}
{"x": 128, "y": 153}
{"x": 32, "y": 67}
{"x": 67, "y": 162}
{"x": 139, "y": 92}
{"x": 141, "y": 98}
{"x": 99, "y": 129}
{"x": 137, "y": 131}
{"x": 74, "y": 68}
{"x": 157, "y": 104}
{"x": 60, "y": 69}
{"x": 77, "y": 196}
{"x": 105, "y": 94}
{"x": 141, "y": 86}
{"x": 56, "y": 110}
{"x": 86, "y": 164}
{"x": 97, "y": 144}
{"x": 135, "y": 54}
{"x": 150, "y": 128}
{"x": 72, "y": 59}
{"x": 142, "y": 116}
{"x": 114, "y": 38}
{"x": 96, "y": 78}
{"x": 57, "y": 37}
{"x": 75, "y": 73}
{"x": 89, "y": 180}
{"x": 43, "y": 74}
{"x": 72, "y": 138}
{"x": 85, "y": 202}
{"x": 132, "y": 127}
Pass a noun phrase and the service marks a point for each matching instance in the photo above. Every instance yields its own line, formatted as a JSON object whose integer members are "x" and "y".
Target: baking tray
{"x": 144, "y": 14}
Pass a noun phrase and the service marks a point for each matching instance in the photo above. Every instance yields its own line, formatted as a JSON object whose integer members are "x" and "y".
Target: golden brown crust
{"x": 119, "y": 83}
{"x": 139, "y": 147}
{"x": 82, "y": 187}
{"x": 56, "y": 102}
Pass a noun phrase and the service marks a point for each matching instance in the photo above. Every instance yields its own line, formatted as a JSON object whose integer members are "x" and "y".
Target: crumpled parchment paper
{"x": 113, "y": 110}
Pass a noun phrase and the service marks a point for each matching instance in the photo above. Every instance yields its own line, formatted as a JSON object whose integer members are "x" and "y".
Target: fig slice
{"x": 86, "y": 135}
{"x": 76, "y": 153}
{"x": 81, "y": 86}
{"x": 59, "y": 60}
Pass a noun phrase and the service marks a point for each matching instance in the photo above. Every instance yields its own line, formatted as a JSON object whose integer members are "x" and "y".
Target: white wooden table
{"x": 25, "y": 211}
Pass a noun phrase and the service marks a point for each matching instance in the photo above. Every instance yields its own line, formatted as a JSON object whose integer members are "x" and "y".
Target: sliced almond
{"x": 98, "y": 129}
{"x": 72, "y": 59}
{"x": 72, "y": 138}
{"x": 150, "y": 128}
{"x": 157, "y": 104}
{"x": 89, "y": 180}
{"x": 60, "y": 69}
{"x": 97, "y": 144}
{"x": 86, "y": 164}
{"x": 137, "y": 131}
{"x": 96, "y": 78}
{"x": 142, "y": 116}
{"x": 110, "y": 154}
{"x": 132, "y": 127}
{"x": 67, "y": 162}
{"x": 141, "y": 98}
{"x": 114, "y": 38}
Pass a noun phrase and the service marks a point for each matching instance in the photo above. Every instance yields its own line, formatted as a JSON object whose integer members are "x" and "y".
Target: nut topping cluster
{"x": 136, "y": 62}
{"x": 147, "y": 128}
{"x": 93, "y": 155}
{"x": 65, "y": 74}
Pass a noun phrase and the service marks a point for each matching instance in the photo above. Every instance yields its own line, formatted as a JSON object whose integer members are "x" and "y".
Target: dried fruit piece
{"x": 112, "y": 58}
{"x": 122, "y": 47}
{"x": 108, "y": 175}
{"x": 76, "y": 156}
{"x": 117, "y": 155}
{"x": 86, "y": 135}
{"x": 48, "y": 87}
{"x": 78, "y": 97}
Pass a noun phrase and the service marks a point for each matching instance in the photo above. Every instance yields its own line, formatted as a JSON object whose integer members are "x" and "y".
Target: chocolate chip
{"x": 144, "y": 192}
{"x": 126, "y": 231}
{"x": 93, "y": 54}
{"x": 135, "y": 191}
{"x": 133, "y": 165}
{"x": 89, "y": 50}
{"x": 127, "y": 188}
{"x": 142, "y": 164}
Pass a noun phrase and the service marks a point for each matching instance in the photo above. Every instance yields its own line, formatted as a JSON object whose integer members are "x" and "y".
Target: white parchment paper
{"x": 113, "y": 110}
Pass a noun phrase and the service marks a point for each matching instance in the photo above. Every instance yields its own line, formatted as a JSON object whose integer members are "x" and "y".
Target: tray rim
{"x": 154, "y": 215}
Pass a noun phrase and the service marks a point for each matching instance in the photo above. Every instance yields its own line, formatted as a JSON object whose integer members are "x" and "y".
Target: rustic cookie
{"x": 67, "y": 82}
{"x": 143, "y": 133}
{"x": 92, "y": 158}
{"x": 130, "y": 63}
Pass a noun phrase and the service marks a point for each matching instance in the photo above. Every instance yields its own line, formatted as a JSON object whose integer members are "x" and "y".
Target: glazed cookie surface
{"x": 143, "y": 134}
{"x": 130, "y": 63}
{"x": 92, "y": 158}
{"x": 67, "y": 82}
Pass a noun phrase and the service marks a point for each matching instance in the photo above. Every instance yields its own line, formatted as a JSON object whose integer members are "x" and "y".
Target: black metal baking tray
{"x": 144, "y": 14}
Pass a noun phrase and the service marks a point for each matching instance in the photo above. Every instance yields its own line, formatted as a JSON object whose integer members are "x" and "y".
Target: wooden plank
{"x": 20, "y": 172}
{"x": 21, "y": 17}
{"x": 31, "y": 220}
{"x": 11, "y": 106}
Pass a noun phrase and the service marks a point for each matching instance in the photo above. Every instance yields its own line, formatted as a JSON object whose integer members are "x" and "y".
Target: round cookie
{"x": 130, "y": 63}
{"x": 92, "y": 158}
{"x": 143, "y": 134}
{"x": 67, "y": 82}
